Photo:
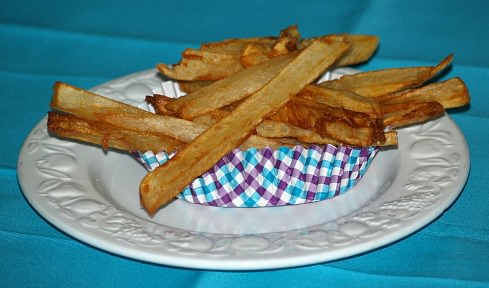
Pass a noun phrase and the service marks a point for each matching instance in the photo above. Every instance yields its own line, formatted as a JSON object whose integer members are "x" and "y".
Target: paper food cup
{"x": 274, "y": 177}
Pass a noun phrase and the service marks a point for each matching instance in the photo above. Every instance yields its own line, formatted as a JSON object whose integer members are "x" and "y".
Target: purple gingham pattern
{"x": 268, "y": 177}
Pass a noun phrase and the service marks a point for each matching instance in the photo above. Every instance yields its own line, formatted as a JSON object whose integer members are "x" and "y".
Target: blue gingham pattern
{"x": 268, "y": 177}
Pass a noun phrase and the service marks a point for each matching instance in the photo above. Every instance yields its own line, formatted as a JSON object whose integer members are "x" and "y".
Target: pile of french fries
{"x": 257, "y": 92}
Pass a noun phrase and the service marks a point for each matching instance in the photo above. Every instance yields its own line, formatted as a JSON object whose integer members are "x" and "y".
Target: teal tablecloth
{"x": 86, "y": 43}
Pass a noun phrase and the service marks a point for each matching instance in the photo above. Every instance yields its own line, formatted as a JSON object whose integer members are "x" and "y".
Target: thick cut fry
{"x": 235, "y": 46}
{"x": 109, "y": 136}
{"x": 112, "y": 137}
{"x": 362, "y": 48}
{"x": 74, "y": 100}
{"x": 255, "y": 53}
{"x": 186, "y": 133}
{"x": 202, "y": 65}
{"x": 341, "y": 99}
{"x": 227, "y": 90}
{"x": 347, "y": 127}
{"x": 380, "y": 82}
{"x": 403, "y": 114}
{"x": 192, "y": 86}
{"x": 451, "y": 93}
{"x": 165, "y": 182}
{"x": 214, "y": 61}
{"x": 275, "y": 129}
{"x": 91, "y": 106}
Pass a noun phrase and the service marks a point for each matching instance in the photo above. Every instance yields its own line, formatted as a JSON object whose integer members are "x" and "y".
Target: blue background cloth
{"x": 86, "y": 43}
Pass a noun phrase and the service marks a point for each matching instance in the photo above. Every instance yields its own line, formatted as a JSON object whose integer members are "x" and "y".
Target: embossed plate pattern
{"x": 92, "y": 196}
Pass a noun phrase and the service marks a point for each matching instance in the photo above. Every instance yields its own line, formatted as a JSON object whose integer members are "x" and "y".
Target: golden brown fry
{"x": 227, "y": 90}
{"x": 90, "y": 106}
{"x": 255, "y": 53}
{"x": 165, "y": 182}
{"x": 451, "y": 93}
{"x": 191, "y": 86}
{"x": 346, "y": 127}
{"x": 214, "y": 61}
{"x": 235, "y": 46}
{"x": 362, "y": 48}
{"x": 109, "y": 136}
{"x": 180, "y": 129}
{"x": 381, "y": 82}
{"x": 341, "y": 99}
{"x": 403, "y": 114}
{"x": 286, "y": 42}
{"x": 83, "y": 103}
{"x": 202, "y": 65}
{"x": 186, "y": 133}
{"x": 275, "y": 129}
{"x": 360, "y": 136}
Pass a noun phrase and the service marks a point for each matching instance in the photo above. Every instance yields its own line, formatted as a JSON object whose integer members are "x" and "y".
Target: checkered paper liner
{"x": 273, "y": 177}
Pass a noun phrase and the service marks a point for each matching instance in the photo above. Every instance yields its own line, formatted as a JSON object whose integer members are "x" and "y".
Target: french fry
{"x": 342, "y": 99}
{"x": 451, "y": 93}
{"x": 74, "y": 100}
{"x": 404, "y": 114}
{"x": 254, "y": 53}
{"x": 275, "y": 129}
{"x": 192, "y": 86}
{"x": 362, "y": 48}
{"x": 381, "y": 82}
{"x": 162, "y": 185}
{"x": 227, "y": 90}
{"x": 346, "y": 127}
{"x": 202, "y": 65}
{"x": 90, "y": 106}
{"x": 120, "y": 138}
{"x": 214, "y": 61}
{"x": 235, "y": 46}
{"x": 109, "y": 136}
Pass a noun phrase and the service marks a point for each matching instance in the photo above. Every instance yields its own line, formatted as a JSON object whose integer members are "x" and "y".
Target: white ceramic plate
{"x": 93, "y": 196}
